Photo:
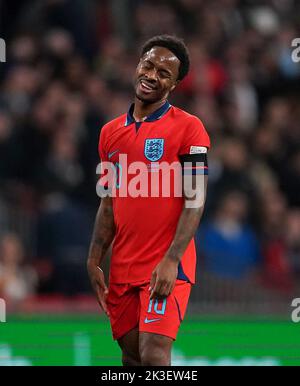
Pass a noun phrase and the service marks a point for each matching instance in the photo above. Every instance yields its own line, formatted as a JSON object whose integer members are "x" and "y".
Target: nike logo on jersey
{"x": 151, "y": 320}
{"x": 112, "y": 153}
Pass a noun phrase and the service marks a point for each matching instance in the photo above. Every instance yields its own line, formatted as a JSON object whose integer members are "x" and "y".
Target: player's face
{"x": 156, "y": 75}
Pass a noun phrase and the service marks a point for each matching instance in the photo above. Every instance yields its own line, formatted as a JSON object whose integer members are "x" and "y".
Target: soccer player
{"x": 153, "y": 258}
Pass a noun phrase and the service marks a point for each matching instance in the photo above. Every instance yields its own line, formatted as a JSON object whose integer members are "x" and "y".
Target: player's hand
{"x": 98, "y": 282}
{"x": 163, "y": 278}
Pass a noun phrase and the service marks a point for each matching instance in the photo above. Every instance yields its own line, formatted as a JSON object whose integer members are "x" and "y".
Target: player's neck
{"x": 142, "y": 110}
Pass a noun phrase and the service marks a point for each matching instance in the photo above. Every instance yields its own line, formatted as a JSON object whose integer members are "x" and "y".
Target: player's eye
{"x": 164, "y": 74}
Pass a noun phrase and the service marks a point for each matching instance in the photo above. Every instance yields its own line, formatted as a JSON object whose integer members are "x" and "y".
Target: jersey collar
{"x": 157, "y": 114}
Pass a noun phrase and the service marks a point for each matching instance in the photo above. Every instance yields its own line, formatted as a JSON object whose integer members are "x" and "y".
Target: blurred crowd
{"x": 69, "y": 70}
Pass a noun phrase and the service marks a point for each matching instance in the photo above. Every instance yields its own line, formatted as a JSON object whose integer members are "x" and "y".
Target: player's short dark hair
{"x": 175, "y": 45}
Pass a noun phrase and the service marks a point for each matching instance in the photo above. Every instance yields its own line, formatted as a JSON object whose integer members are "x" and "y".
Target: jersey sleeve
{"x": 101, "y": 146}
{"x": 195, "y": 139}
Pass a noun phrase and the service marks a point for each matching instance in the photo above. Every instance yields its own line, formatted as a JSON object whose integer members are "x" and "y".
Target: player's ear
{"x": 174, "y": 85}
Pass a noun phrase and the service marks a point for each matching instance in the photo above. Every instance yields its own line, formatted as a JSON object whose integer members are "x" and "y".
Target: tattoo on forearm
{"x": 186, "y": 229}
{"x": 104, "y": 231}
{"x": 188, "y": 223}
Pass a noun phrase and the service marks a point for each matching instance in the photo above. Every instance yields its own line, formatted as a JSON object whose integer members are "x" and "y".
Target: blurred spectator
{"x": 292, "y": 239}
{"x": 287, "y": 67}
{"x": 61, "y": 171}
{"x": 17, "y": 279}
{"x": 243, "y": 99}
{"x": 234, "y": 161}
{"x": 276, "y": 267}
{"x": 64, "y": 230}
{"x": 227, "y": 242}
{"x": 8, "y": 148}
{"x": 290, "y": 179}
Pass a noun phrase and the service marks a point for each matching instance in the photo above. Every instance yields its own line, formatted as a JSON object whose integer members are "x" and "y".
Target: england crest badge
{"x": 154, "y": 149}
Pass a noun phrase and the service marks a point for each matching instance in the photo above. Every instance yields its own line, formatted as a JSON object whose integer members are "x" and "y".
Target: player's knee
{"x": 155, "y": 356}
{"x": 128, "y": 360}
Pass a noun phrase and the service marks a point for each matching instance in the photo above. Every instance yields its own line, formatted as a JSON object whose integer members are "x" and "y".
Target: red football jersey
{"x": 145, "y": 226}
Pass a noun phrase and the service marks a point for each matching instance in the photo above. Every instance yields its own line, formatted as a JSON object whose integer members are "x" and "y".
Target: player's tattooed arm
{"x": 103, "y": 235}
{"x": 104, "y": 231}
{"x": 194, "y": 194}
{"x": 164, "y": 275}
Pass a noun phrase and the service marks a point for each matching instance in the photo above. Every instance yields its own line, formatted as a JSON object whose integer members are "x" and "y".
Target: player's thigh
{"x": 155, "y": 349}
{"x": 124, "y": 306}
{"x": 129, "y": 344}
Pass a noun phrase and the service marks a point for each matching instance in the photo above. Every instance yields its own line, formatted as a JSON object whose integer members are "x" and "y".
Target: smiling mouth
{"x": 146, "y": 87}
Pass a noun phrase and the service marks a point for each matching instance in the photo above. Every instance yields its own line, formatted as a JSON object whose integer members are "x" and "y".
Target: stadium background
{"x": 68, "y": 70}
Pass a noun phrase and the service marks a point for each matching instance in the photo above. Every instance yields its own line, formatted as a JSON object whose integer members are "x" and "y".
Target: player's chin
{"x": 147, "y": 98}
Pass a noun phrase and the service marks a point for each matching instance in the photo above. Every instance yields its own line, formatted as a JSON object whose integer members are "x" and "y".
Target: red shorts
{"x": 129, "y": 306}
